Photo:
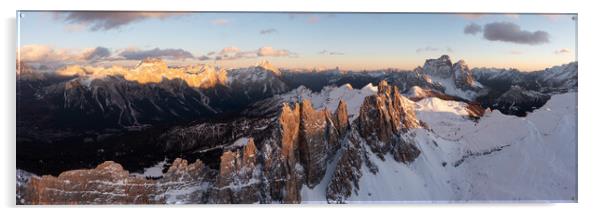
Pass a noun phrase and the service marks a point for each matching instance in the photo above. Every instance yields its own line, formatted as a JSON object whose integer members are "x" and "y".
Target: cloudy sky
{"x": 298, "y": 40}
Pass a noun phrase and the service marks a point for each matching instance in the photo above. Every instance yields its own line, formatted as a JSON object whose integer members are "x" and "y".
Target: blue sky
{"x": 307, "y": 40}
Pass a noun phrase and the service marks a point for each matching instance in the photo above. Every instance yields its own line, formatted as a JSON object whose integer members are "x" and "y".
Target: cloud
{"x": 510, "y": 32}
{"x": 105, "y": 20}
{"x": 220, "y": 22}
{"x": 433, "y": 49}
{"x": 229, "y": 50}
{"x": 51, "y": 55}
{"x": 233, "y": 53}
{"x": 78, "y": 27}
{"x": 268, "y": 31}
{"x": 427, "y": 49}
{"x": 269, "y": 51}
{"x": 96, "y": 53}
{"x": 562, "y": 51}
{"x": 326, "y": 52}
{"x": 473, "y": 29}
{"x": 43, "y": 53}
{"x": 135, "y": 54}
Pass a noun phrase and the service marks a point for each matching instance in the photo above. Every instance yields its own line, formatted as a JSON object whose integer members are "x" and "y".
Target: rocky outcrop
{"x": 109, "y": 183}
{"x": 383, "y": 116}
{"x": 239, "y": 180}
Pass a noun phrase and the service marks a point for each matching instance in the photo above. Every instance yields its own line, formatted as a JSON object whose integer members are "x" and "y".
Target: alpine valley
{"x": 154, "y": 133}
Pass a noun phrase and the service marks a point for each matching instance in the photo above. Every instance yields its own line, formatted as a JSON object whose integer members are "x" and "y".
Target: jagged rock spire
{"x": 384, "y": 116}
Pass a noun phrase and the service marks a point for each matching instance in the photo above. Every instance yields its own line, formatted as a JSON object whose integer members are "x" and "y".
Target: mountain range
{"x": 203, "y": 134}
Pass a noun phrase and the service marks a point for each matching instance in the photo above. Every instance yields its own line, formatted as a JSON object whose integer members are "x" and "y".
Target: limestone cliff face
{"x": 285, "y": 177}
{"x": 341, "y": 119}
{"x": 313, "y": 142}
{"x": 383, "y": 116}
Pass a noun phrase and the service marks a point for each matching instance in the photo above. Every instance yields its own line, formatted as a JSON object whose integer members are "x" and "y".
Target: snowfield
{"x": 497, "y": 158}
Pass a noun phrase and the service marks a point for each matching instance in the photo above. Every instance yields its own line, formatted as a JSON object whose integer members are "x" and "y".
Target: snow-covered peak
{"x": 265, "y": 64}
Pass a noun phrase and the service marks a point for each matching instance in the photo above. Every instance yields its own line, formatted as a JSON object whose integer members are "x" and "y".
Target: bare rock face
{"x": 333, "y": 135}
{"x": 289, "y": 121}
{"x": 238, "y": 180}
{"x": 383, "y": 116}
{"x": 299, "y": 149}
{"x": 313, "y": 142}
{"x": 109, "y": 183}
{"x": 441, "y": 67}
{"x": 458, "y": 72}
{"x": 281, "y": 168}
{"x": 341, "y": 119}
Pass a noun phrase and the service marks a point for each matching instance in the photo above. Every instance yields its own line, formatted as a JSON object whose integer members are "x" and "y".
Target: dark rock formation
{"x": 383, "y": 116}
